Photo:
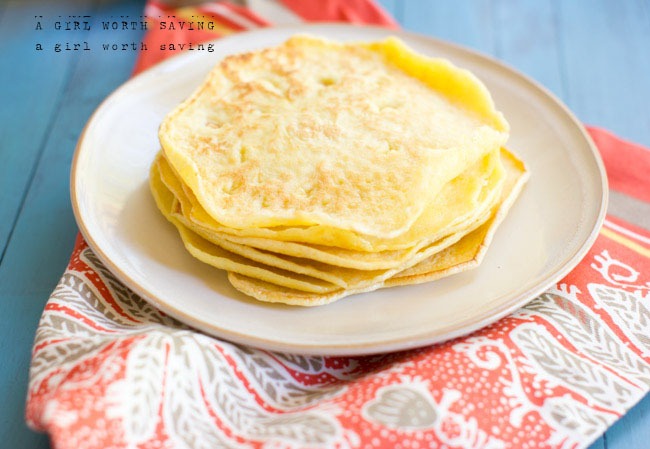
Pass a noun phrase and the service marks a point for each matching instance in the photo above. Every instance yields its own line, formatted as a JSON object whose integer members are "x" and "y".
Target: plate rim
{"x": 365, "y": 348}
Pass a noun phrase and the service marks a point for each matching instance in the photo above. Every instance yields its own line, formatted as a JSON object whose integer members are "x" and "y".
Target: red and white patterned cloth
{"x": 111, "y": 371}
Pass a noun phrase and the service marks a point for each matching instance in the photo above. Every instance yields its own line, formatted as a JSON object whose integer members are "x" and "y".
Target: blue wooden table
{"x": 594, "y": 55}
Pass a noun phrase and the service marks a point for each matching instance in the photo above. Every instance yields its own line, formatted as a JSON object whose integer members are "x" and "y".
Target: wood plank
{"x": 605, "y": 48}
{"x": 527, "y": 38}
{"x": 43, "y": 236}
{"x": 36, "y": 91}
{"x": 633, "y": 430}
{"x": 37, "y": 84}
{"x": 465, "y": 22}
{"x": 17, "y": 331}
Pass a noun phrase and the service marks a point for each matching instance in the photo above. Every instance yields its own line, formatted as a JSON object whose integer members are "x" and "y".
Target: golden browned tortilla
{"x": 355, "y": 137}
{"x": 314, "y": 170}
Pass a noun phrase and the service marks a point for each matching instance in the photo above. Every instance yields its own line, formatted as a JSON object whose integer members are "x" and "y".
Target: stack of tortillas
{"x": 315, "y": 170}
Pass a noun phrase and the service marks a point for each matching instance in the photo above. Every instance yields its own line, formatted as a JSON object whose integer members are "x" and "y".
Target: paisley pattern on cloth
{"x": 111, "y": 371}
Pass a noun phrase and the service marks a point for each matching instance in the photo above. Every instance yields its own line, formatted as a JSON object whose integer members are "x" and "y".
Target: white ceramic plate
{"x": 545, "y": 235}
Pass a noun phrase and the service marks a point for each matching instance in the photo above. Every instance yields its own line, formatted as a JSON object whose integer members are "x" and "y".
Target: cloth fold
{"x": 110, "y": 371}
